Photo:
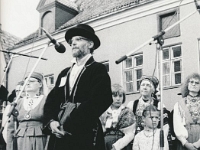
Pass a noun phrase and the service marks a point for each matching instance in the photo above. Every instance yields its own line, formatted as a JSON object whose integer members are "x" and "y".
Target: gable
{"x": 68, "y": 3}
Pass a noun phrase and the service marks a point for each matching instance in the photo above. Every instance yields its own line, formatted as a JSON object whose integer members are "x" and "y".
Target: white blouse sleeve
{"x": 179, "y": 124}
{"x": 128, "y": 137}
{"x": 5, "y": 121}
{"x": 166, "y": 131}
{"x": 10, "y": 133}
{"x": 130, "y": 105}
{"x": 136, "y": 143}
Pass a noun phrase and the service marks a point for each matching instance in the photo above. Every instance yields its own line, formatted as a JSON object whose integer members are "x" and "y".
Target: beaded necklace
{"x": 193, "y": 104}
{"x": 150, "y": 134}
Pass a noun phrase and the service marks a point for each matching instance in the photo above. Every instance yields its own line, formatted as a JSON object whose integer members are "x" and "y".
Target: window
{"x": 168, "y": 19}
{"x": 50, "y": 80}
{"x": 172, "y": 68}
{"x": 132, "y": 73}
{"x": 47, "y": 22}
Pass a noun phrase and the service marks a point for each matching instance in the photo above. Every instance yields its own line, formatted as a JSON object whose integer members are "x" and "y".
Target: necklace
{"x": 150, "y": 134}
{"x": 145, "y": 100}
{"x": 142, "y": 105}
{"x": 27, "y": 116}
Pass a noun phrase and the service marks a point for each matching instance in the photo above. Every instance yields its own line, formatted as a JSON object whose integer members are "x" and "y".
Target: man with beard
{"x": 83, "y": 91}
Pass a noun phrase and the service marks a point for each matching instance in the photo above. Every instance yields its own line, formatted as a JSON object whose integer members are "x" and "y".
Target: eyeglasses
{"x": 80, "y": 38}
{"x": 32, "y": 81}
{"x": 192, "y": 82}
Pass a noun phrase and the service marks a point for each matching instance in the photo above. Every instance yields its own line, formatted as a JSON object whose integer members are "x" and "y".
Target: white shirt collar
{"x": 115, "y": 116}
{"x": 109, "y": 110}
{"x": 82, "y": 61}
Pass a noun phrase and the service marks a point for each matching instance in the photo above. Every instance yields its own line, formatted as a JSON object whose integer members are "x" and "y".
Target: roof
{"x": 67, "y": 3}
{"x": 27, "y": 40}
{"x": 99, "y": 8}
{"x": 7, "y": 40}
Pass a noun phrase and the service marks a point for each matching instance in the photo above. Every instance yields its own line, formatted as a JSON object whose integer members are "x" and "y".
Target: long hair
{"x": 184, "y": 88}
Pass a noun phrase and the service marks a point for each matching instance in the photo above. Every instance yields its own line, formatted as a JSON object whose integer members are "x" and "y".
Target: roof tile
{"x": 85, "y": 7}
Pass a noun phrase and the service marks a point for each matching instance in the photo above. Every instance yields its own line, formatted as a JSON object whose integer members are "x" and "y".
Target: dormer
{"x": 54, "y": 13}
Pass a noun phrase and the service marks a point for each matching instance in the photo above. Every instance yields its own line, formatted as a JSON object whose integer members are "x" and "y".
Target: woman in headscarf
{"x": 28, "y": 134}
{"x": 148, "y": 87}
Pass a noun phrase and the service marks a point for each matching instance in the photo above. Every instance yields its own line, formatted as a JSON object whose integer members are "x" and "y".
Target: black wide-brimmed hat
{"x": 85, "y": 31}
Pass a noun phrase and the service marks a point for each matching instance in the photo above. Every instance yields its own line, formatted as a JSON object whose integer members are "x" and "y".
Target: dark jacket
{"x": 93, "y": 91}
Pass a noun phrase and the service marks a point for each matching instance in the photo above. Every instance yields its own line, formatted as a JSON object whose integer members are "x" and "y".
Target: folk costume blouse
{"x": 121, "y": 119}
{"x": 145, "y": 140}
{"x": 187, "y": 121}
{"x": 29, "y": 134}
{"x": 138, "y": 112}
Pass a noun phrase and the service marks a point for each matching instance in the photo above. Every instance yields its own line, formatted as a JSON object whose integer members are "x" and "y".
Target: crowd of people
{"x": 84, "y": 111}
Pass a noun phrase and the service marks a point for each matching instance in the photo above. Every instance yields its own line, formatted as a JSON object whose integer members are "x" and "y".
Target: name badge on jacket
{"x": 63, "y": 81}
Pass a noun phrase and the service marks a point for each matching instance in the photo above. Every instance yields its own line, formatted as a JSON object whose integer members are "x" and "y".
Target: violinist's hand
{"x": 57, "y": 129}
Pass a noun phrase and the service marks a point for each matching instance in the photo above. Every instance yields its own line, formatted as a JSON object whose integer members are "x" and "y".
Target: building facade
{"x": 123, "y": 27}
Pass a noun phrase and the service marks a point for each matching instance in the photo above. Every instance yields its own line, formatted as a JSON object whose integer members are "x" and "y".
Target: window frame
{"x": 48, "y": 80}
{"x": 171, "y": 61}
{"x": 133, "y": 68}
{"x": 160, "y": 15}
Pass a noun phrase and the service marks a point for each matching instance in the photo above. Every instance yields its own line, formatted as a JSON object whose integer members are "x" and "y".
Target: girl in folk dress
{"x": 118, "y": 122}
{"x": 28, "y": 135}
{"x": 149, "y": 138}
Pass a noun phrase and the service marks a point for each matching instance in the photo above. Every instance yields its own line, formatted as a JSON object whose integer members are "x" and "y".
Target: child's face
{"x": 151, "y": 120}
{"x": 117, "y": 99}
